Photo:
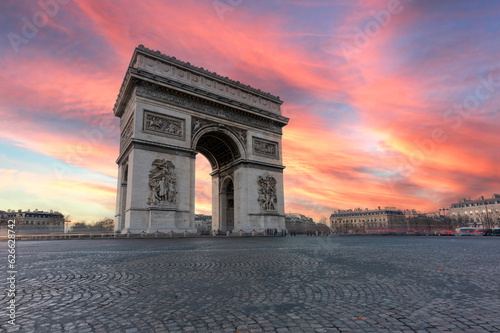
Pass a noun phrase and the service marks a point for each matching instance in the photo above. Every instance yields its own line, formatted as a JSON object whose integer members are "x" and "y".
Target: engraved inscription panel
{"x": 265, "y": 148}
{"x": 164, "y": 125}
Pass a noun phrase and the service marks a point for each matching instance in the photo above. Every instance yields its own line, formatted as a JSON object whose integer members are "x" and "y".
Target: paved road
{"x": 290, "y": 284}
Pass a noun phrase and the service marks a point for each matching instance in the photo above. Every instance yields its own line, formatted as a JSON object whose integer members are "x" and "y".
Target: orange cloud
{"x": 361, "y": 134}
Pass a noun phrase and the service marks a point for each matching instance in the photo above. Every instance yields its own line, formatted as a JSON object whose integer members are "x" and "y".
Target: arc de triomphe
{"x": 169, "y": 111}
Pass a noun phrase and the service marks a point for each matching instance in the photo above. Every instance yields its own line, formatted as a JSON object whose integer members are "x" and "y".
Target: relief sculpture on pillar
{"x": 162, "y": 183}
{"x": 267, "y": 192}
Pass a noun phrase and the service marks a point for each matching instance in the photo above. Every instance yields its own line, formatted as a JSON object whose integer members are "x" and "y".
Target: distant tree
{"x": 398, "y": 222}
{"x": 322, "y": 220}
{"x": 468, "y": 221}
{"x": 487, "y": 221}
{"x": 322, "y": 227}
{"x": 105, "y": 224}
{"x": 429, "y": 222}
{"x": 414, "y": 223}
{"x": 3, "y": 220}
{"x": 80, "y": 227}
{"x": 446, "y": 222}
{"x": 462, "y": 221}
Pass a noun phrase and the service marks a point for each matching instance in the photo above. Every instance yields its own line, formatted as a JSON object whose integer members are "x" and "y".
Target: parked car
{"x": 446, "y": 233}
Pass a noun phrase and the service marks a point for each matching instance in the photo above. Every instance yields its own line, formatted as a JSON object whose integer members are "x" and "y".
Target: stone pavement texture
{"x": 260, "y": 284}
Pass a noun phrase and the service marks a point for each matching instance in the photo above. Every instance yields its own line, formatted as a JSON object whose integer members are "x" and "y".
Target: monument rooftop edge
{"x": 152, "y": 66}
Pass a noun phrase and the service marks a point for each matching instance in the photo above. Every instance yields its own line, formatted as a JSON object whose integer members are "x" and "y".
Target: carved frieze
{"x": 173, "y": 68}
{"x": 163, "y": 125}
{"x": 265, "y": 148}
{"x": 267, "y": 192}
{"x": 127, "y": 132}
{"x": 146, "y": 90}
{"x": 199, "y": 123}
{"x": 241, "y": 134}
{"x": 162, "y": 183}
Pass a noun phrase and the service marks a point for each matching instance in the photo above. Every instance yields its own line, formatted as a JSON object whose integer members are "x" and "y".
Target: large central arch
{"x": 170, "y": 111}
{"x": 219, "y": 145}
{"x": 224, "y": 151}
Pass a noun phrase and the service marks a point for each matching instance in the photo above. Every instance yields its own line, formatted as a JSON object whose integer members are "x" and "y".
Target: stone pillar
{"x": 162, "y": 215}
{"x": 120, "y": 200}
{"x": 215, "y": 203}
{"x": 241, "y": 188}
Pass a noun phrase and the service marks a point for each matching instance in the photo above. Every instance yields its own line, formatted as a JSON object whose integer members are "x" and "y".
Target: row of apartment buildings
{"x": 36, "y": 221}
{"x": 203, "y": 223}
{"x": 482, "y": 212}
{"x": 365, "y": 218}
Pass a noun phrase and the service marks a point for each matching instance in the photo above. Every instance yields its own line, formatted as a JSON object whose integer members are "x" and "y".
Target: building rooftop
{"x": 495, "y": 199}
{"x": 34, "y": 212}
{"x": 366, "y": 211}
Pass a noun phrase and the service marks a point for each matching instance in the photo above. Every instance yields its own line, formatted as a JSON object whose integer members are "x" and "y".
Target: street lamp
{"x": 443, "y": 210}
{"x": 444, "y": 214}
{"x": 487, "y": 219}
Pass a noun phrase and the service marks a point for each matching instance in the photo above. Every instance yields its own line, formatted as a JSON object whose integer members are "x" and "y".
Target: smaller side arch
{"x": 225, "y": 182}
{"x": 226, "y": 198}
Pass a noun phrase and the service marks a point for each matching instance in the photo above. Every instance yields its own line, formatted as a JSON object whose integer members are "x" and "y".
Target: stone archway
{"x": 223, "y": 149}
{"x": 226, "y": 221}
{"x": 170, "y": 111}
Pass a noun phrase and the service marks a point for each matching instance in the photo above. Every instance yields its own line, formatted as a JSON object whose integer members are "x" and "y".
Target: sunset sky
{"x": 390, "y": 102}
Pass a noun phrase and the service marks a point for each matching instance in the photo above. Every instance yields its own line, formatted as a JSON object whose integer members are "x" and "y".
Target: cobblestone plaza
{"x": 258, "y": 284}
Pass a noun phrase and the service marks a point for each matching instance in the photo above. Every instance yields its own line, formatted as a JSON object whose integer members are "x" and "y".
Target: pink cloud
{"x": 353, "y": 125}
